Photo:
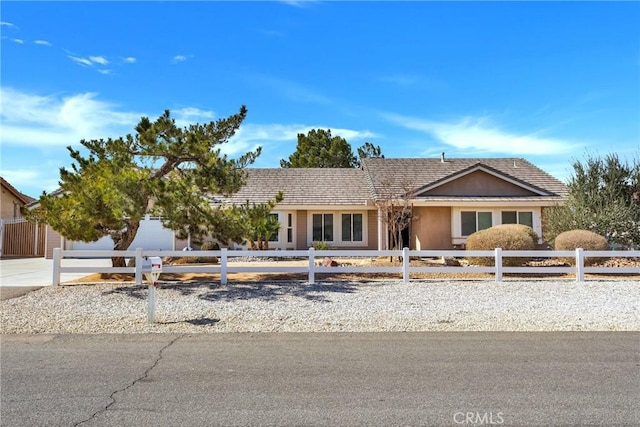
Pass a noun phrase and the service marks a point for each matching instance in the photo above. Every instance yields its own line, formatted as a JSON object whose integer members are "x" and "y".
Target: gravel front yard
{"x": 345, "y": 306}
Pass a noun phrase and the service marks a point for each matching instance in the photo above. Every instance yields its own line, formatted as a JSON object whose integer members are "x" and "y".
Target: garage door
{"x": 151, "y": 236}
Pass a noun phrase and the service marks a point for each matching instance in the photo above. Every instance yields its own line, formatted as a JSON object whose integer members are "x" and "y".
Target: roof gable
{"x": 424, "y": 175}
{"x": 479, "y": 180}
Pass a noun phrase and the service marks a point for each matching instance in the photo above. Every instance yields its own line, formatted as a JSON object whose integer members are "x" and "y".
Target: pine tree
{"x": 169, "y": 171}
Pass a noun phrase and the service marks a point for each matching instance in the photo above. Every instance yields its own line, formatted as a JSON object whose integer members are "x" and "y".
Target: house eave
{"x": 488, "y": 201}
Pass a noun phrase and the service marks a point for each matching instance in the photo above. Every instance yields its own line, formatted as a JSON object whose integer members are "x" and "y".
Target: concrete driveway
{"x": 21, "y": 275}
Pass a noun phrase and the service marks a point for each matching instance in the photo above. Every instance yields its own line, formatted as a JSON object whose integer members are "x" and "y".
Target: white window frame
{"x": 477, "y": 213}
{"x": 282, "y": 242}
{"x": 352, "y": 231}
{"x": 518, "y": 212}
{"x": 496, "y": 217}
{"x": 337, "y": 228}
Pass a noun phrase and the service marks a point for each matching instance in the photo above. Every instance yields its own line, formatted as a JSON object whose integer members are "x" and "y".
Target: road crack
{"x": 144, "y": 375}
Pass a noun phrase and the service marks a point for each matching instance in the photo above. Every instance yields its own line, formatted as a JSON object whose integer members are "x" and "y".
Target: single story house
{"x": 450, "y": 199}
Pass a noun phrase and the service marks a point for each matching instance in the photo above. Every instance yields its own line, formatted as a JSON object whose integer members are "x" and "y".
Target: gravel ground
{"x": 543, "y": 305}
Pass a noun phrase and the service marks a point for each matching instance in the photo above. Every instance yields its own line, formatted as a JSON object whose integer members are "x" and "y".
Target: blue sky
{"x": 547, "y": 81}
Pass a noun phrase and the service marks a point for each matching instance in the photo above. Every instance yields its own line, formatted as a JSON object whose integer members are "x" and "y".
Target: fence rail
{"x": 226, "y": 264}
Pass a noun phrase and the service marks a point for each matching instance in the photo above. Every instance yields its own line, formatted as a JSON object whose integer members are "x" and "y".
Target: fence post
{"x": 579, "y": 265}
{"x": 498, "y": 264}
{"x": 312, "y": 264}
{"x": 35, "y": 239}
{"x": 57, "y": 259}
{"x": 138, "y": 274}
{"x": 405, "y": 265}
{"x": 223, "y": 266}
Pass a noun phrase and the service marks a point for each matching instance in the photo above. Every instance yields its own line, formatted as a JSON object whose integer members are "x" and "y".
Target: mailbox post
{"x": 151, "y": 268}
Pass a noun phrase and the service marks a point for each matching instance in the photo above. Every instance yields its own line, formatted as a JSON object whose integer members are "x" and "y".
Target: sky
{"x": 551, "y": 82}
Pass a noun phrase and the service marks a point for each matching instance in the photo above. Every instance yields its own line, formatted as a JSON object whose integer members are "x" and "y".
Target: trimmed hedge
{"x": 585, "y": 239}
{"x": 509, "y": 237}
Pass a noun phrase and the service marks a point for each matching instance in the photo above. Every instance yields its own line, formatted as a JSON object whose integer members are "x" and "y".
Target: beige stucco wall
{"x": 372, "y": 229}
{"x": 9, "y": 205}
{"x": 301, "y": 230}
{"x": 53, "y": 240}
{"x": 479, "y": 184}
{"x": 431, "y": 229}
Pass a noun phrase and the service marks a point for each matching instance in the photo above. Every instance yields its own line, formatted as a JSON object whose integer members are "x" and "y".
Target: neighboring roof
{"x": 20, "y": 196}
{"x": 305, "y": 186}
{"x": 400, "y": 175}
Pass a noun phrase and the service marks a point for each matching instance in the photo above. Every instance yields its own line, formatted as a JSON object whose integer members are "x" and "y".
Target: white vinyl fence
{"x": 311, "y": 269}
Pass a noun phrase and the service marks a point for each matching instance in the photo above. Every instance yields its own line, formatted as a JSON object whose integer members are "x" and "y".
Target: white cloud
{"x": 478, "y": 134}
{"x": 7, "y": 24}
{"x": 191, "y": 115}
{"x": 42, "y": 43}
{"x": 129, "y": 59}
{"x": 179, "y": 58}
{"x": 99, "y": 60}
{"x": 105, "y": 71}
{"x": 41, "y": 121}
{"x": 19, "y": 41}
{"x": 82, "y": 61}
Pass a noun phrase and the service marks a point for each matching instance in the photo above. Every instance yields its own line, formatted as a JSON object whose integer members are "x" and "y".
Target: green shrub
{"x": 210, "y": 246}
{"x": 585, "y": 239}
{"x": 321, "y": 246}
{"x": 509, "y": 237}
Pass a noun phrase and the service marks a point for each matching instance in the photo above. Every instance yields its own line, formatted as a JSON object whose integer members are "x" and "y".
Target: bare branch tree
{"x": 395, "y": 208}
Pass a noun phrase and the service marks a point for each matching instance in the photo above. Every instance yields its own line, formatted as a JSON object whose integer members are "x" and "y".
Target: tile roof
{"x": 305, "y": 186}
{"x": 386, "y": 175}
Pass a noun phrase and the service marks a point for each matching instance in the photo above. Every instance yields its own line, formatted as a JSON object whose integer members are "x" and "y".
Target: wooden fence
{"x": 19, "y": 237}
{"x": 311, "y": 269}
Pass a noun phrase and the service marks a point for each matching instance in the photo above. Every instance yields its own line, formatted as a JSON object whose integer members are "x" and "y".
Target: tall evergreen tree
{"x": 162, "y": 169}
{"x": 319, "y": 149}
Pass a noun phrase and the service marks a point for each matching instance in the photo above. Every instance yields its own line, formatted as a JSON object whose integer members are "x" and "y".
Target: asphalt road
{"x": 385, "y": 379}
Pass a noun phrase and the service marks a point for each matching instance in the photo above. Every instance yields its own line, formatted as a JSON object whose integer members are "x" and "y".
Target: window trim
{"x": 352, "y": 227}
{"x": 477, "y": 218}
{"x": 337, "y": 227}
{"x": 456, "y": 218}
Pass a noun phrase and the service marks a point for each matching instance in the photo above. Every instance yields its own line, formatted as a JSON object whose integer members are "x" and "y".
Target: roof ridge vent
{"x": 442, "y": 160}
{"x": 514, "y": 163}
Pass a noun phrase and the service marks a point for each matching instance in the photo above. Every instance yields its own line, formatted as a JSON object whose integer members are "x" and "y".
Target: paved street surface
{"x": 385, "y": 379}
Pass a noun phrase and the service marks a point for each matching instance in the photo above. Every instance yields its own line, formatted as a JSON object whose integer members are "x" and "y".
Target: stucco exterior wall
{"x": 432, "y": 228}
{"x": 301, "y": 230}
{"x": 9, "y": 205}
{"x": 372, "y": 229}
{"x": 53, "y": 240}
{"x": 479, "y": 184}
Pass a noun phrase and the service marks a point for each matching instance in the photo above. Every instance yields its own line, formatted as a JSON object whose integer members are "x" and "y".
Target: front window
{"x": 473, "y": 221}
{"x": 322, "y": 227}
{"x": 289, "y": 228}
{"x": 352, "y": 227}
{"x": 514, "y": 217}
